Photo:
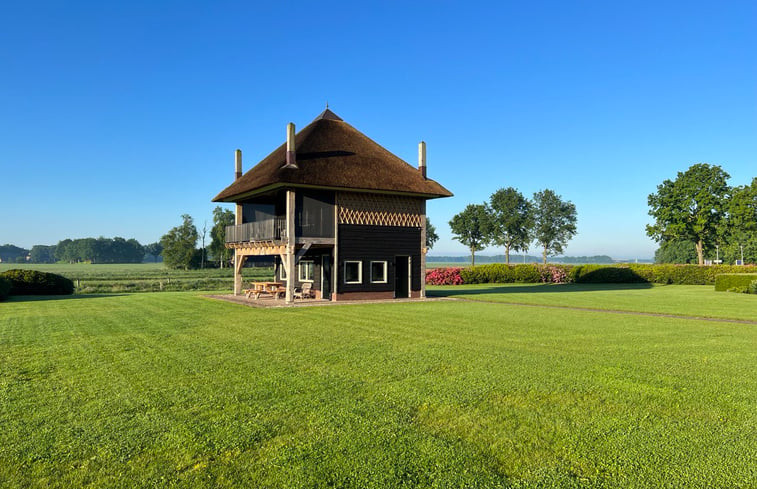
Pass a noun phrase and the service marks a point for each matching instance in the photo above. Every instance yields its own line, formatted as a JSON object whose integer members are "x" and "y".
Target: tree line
{"x": 513, "y": 222}
{"x": 699, "y": 214}
{"x": 91, "y": 250}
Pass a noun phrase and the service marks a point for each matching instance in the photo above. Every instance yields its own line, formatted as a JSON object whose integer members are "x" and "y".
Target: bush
{"x": 444, "y": 276}
{"x": 528, "y": 273}
{"x": 32, "y": 282}
{"x": 752, "y": 289}
{"x": 5, "y": 288}
{"x": 738, "y": 281}
{"x": 627, "y": 273}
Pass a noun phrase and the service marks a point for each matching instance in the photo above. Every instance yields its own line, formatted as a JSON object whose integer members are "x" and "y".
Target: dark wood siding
{"x": 378, "y": 243}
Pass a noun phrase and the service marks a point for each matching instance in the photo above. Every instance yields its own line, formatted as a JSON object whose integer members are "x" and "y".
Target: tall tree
{"x": 42, "y": 254}
{"x": 691, "y": 207}
{"x": 554, "y": 222}
{"x": 472, "y": 228}
{"x": 221, "y": 218}
{"x": 431, "y": 236}
{"x": 203, "y": 235}
{"x": 511, "y": 220}
{"x": 179, "y": 244}
{"x": 740, "y": 229}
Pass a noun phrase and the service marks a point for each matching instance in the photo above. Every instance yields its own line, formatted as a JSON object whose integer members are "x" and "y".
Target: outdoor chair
{"x": 304, "y": 292}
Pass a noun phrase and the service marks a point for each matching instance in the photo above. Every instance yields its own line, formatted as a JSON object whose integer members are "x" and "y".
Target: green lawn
{"x": 687, "y": 300}
{"x": 176, "y": 390}
{"x": 142, "y": 277}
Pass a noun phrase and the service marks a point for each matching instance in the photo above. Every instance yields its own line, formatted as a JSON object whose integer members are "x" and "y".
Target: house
{"x": 335, "y": 209}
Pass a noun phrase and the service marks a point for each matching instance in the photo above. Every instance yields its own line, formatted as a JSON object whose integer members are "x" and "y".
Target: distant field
{"x": 143, "y": 277}
{"x": 688, "y": 300}
{"x": 176, "y": 390}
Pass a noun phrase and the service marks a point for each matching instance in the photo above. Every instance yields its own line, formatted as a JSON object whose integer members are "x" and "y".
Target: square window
{"x": 306, "y": 268}
{"x": 378, "y": 272}
{"x": 353, "y": 272}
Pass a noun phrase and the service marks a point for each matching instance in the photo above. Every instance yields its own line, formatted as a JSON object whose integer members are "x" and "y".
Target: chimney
{"x": 291, "y": 154}
{"x": 422, "y": 158}
{"x": 237, "y": 164}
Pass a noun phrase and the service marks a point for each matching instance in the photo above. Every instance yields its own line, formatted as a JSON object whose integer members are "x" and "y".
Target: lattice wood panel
{"x": 379, "y": 210}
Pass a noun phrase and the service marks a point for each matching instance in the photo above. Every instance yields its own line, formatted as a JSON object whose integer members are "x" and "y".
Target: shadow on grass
{"x": 485, "y": 289}
{"x": 39, "y": 298}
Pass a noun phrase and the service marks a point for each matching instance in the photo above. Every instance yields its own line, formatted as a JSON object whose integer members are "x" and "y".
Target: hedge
{"x": 627, "y": 273}
{"x": 501, "y": 273}
{"x": 734, "y": 282}
{"x": 32, "y": 282}
{"x": 5, "y": 288}
{"x": 657, "y": 274}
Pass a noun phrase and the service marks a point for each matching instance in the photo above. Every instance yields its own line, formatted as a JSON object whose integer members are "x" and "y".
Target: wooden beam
{"x": 290, "y": 210}
{"x": 239, "y": 260}
{"x": 301, "y": 252}
{"x": 423, "y": 238}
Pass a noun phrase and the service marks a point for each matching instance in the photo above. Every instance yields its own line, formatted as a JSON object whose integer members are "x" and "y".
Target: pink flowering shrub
{"x": 551, "y": 274}
{"x": 444, "y": 276}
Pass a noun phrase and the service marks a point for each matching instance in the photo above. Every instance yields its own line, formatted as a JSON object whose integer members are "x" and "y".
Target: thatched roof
{"x": 333, "y": 154}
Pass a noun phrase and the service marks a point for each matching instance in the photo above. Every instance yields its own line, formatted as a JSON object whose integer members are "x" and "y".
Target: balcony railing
{"x": 265, "y": 230}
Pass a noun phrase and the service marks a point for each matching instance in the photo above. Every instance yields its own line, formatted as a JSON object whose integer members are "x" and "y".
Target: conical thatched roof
{"x": 333, "y": 154}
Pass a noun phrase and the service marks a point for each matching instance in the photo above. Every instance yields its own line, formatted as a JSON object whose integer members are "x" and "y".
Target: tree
{"x": 676, "y": 252}
{"x": 511, "y": 220}
{"x": 154, "y": 249}
{"x": 179, "y": 244}
{"x": 692, "y": 207}
{"x": 42, "y": 254}
{"x": 11, "y": 253}
{"x": 202, "y": 237}
{"x": 221, "y": 218}
{"x": 431, "y": 236}
{"x": 472, "y": 228}
{"x": 740, "y": 229}
{"x": 554, "y": 222}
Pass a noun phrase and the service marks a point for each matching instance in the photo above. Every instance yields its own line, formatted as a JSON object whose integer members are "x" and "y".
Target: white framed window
{"x": 283, "y": 270}
{"x": 306, "y": 270}
{"x": 353, "y": 272}
{"x": 378, "y": 272}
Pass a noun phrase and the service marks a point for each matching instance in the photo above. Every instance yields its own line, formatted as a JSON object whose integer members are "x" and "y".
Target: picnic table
{"x": 274, "y": 289}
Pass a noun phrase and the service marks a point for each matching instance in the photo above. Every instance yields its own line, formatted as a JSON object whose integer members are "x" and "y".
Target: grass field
{"x": 176, "y": 390}
{"x": 687, "y": 300}
{"x": 143, "y": 277}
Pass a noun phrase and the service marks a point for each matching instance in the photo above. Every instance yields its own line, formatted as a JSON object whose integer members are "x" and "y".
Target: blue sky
{"x": 115, "y": 119}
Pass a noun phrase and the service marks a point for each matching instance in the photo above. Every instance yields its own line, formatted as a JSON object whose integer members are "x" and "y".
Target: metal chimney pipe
{"x": 291, "y": 154}
{"x": 237, "y": 164}
{"x": 422, "y": 158}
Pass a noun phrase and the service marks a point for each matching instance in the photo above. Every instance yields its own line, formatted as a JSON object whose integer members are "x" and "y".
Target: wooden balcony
{"x": 259, "y": 231}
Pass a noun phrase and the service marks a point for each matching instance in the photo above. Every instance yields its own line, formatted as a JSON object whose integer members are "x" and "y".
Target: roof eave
{"x": 273, "y": 186}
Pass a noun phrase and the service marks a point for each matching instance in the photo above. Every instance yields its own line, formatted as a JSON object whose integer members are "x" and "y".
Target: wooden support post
{"x": 290, "y": 245}
{"x": 423, "y": 250}
{"x": 239, "y": 260}
{"x": 335, "y": 270}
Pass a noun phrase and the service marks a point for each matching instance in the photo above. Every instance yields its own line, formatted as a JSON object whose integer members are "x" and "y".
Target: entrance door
{"x": 401, "y": 276}
{"x": 326, "y": 277}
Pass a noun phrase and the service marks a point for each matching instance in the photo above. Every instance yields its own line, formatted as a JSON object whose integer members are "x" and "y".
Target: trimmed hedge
{"x": 501, "y": 273}
{"x": 627, "y": 273}
{"x": 734, "y": 282}
{"x": 32, "y": 282}
{"x": 658, "y": 274}
{"x": 5, "y": 288}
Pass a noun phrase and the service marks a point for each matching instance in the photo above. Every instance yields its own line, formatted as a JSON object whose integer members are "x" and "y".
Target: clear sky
{"x": 115, "y": 119}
